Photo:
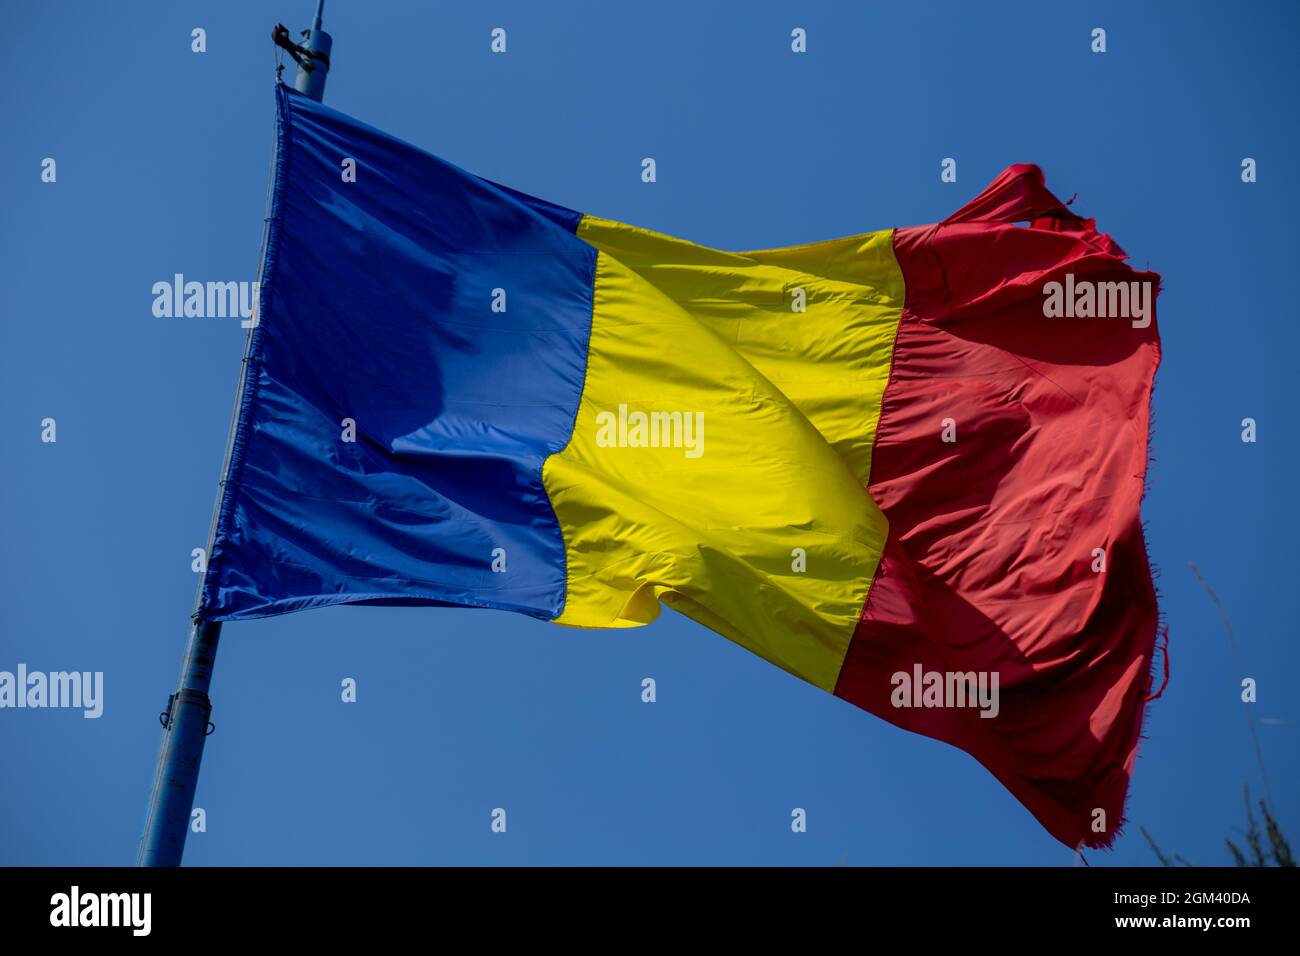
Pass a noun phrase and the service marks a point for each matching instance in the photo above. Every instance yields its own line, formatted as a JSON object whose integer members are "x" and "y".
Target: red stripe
{"x": 988, "y": 566}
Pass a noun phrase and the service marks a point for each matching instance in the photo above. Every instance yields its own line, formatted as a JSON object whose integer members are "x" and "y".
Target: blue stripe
{"x": 376, "y": 307}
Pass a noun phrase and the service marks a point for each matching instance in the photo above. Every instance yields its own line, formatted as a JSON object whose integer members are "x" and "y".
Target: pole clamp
{"x": 301, "y": 55}
{"x": 165, "y": 718}
{"x": 168, "y": 717}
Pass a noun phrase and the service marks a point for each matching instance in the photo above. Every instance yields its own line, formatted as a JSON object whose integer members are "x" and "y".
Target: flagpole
{"x": 186, "y": 721}
{"x": 311, "y": 80}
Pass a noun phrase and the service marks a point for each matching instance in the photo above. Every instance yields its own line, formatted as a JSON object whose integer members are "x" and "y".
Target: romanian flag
{"x": 905, "y": 466}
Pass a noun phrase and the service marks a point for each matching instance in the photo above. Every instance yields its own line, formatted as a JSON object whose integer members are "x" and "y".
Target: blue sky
{"x": 162, "y": 164}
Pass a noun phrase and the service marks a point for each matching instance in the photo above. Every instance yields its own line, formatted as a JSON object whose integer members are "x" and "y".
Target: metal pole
{"x": 186, "y": 723}
{"x": 312, "y": 73}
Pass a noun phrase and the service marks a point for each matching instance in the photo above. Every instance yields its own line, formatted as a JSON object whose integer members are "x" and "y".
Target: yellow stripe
{"x": 789, "y": 404}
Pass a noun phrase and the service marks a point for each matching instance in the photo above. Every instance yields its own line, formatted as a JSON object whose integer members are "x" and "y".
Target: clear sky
{"x": 162, "y": 158}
